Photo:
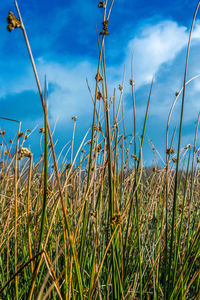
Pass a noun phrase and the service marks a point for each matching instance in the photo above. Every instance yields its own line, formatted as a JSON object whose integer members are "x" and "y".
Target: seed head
{"x": 42, "y": 130}
{"x": 98, "y": 77}
{"x": 170, "y": 151}
{"x": 99, "y": 95}
{"x": 102, "y": 4}
{"x": 105, "y": 28}
{"x": 117, "y": 220}
{"x": 132, "y": 82}
{"x": 24, "y": 152}
{"x": 120, "y": 87}
{"x": 13, "y": 22}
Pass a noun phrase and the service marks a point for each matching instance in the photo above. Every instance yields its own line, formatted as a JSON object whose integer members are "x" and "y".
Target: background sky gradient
{"x": 62, "y": 35}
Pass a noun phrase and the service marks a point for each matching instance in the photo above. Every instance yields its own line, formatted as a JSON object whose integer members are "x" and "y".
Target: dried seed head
{"x": 117, "y": 220}
{"x": 13, "y": 22}
{"x": 20, "y": 134}
{"x": 132, "y": 82}
{"x": 99, "y": 148}
{"x": 68, "y": 166}
{"x": 10, "y": 141}
{"x": 2, "y": 132}
{"x": 42, "y": 130}
{"x": 99, "y": 95}
{"x": 98, "y": 77}
{"x": 120, "y": 87}
{"x": 105, "y": 28}
{"x": 74, "y": 118}
{"x": 24, "y": 152}
{"x": 102, "y": 4}
{"x": 95, "y": 127}
{"x": 170, "y": 151}
{"x": 188, "y": 146}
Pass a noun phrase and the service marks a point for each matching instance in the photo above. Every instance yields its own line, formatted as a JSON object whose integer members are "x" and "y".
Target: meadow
{"x": 99, "y": 224}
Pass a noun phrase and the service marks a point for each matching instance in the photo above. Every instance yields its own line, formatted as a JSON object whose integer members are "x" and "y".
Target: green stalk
{"x": 181, "y": 224}
{"x": 138, "y": 164}
{"x": 16, "y": 209}
{"x": 85, "y": 213}
{"x": 45, "y": 170}
{"x": 178, "y": 153}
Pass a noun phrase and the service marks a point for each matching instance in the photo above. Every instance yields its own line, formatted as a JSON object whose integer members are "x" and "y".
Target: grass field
{"x": 99, "y": 224}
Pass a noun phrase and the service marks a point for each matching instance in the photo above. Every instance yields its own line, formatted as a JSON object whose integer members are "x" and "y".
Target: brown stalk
{"x": 54, "y": 158}
{"x": 16, "y": 207}
{"x": 28, "y": 211}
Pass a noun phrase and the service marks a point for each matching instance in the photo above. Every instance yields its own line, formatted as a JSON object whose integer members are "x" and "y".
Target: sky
{"x": 63, "y": 39}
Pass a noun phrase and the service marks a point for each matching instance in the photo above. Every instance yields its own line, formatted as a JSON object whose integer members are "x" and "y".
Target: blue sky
{"x": 62, "y": 35}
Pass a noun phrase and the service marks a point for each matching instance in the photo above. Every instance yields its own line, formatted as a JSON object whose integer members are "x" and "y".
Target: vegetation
{"x": 102, "y": 226}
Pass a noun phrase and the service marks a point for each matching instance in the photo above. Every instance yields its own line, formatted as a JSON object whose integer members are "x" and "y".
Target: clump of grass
{"x": 107, "y": 227}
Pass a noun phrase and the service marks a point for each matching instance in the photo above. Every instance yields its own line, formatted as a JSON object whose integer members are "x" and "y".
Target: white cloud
{"x": 157, "y": 44}
{"x": 70, "y": 95}
{"x": 154, "y": 46}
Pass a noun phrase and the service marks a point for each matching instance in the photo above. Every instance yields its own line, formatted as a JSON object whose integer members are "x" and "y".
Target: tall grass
{"x": 102, "y": 226}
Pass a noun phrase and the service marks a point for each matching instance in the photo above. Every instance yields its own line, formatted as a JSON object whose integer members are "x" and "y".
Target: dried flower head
{"x": 105, "y": 28}
{"x": 74, "y": 118}
{"x": 99, "y": 147}
{"x": 2, "y": 132}
{"x": 99, "y": 95}
{"x": 95, "y": 127}
{"x": 102, "y": 4}
{"x": 13, "y": 22}
{"x": 98, "y": 77}
{"x": 42, "y": 130}
{"x": 170, "y": 151}
{"x": 24, "y": 152}
{"x": 20, "y": 134}
{"x": 10, "y": 141}
{"x": 68, "y": 166}
{"x": 7, "y": 152}
{"x": 116, "y": 220}
{"x": 120, "y": 87}
{"x": 189, "y": 146}
{"x": 132, "y": 82}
